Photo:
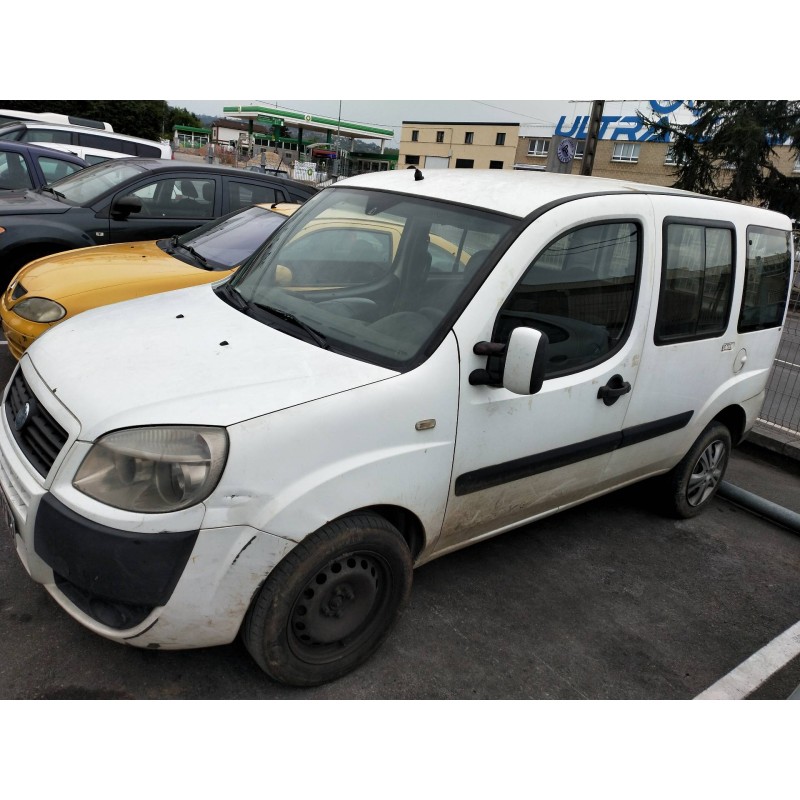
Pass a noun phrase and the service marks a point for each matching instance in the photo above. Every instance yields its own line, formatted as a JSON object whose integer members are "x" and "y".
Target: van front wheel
{"x": 695, "y": 480}
{"x": 330, "y": 603}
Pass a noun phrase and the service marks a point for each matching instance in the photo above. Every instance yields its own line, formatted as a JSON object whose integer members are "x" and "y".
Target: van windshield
{"x": 86, "y": 185}
{"x": 375, "y": 274}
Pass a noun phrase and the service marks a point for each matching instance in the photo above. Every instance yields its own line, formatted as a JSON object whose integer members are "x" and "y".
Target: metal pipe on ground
{"x": 758, "y": 505}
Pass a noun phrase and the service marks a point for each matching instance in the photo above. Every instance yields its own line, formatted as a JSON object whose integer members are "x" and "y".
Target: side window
{"x": 579, "y": 291}
{"x": 46, "y": 135}
{"x": 245, "y": 194}
{"x": 145, "y": 150}
{"x": 54, "y": 169}
{"x": 177, "y": 198}
{"x": 14, "y": 172}
{"x": 106, "y": 143}
{"x": 766, "y": 279}
{"x": 696, "y": 282}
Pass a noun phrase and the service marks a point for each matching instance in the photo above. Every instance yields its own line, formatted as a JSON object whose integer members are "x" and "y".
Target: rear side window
{"x": 245, "y": 194}
{"x": 766, "y": 278}
{"x": 46, "y": 135}
{"x": 580, "y": 291}
{"x": 54, "y": 168}
{"x": 147, "y": 150}
{"x": 696, "y": 281}
{"x": 107, "y": 143}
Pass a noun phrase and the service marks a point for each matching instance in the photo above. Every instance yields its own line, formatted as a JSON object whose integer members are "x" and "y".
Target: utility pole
{"x": 595, "y": 117}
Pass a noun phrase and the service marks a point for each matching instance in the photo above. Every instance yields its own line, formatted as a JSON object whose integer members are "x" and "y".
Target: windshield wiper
{"x": 201, "y": 259}
{"x": 52, "y": 191}
{"x": 288, "y": 317}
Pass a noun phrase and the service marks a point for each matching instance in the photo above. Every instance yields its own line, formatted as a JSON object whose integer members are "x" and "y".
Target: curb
{"x": 780, "y": 442}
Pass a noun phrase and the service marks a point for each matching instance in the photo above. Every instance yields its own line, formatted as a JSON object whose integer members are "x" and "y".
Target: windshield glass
{"x": 226, "y": 243}
{"x": 85, "y": 186}
{"x": 374, "y": 273}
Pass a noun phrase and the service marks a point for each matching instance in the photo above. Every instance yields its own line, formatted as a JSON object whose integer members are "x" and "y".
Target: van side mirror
{"x": 125, "y": 206}
{"x": 523, "y": 362}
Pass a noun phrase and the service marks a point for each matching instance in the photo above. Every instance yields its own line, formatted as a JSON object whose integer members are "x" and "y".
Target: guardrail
{"x": 782, "y": 404}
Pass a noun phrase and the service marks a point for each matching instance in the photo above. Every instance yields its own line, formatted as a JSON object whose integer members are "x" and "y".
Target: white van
{"x": 11, "y": 115}
{"x": 414, "y": 362}
{"x": 88, "y": 143}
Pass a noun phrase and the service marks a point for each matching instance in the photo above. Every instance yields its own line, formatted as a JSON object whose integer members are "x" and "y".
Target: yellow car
{"x": 51, "y": 289}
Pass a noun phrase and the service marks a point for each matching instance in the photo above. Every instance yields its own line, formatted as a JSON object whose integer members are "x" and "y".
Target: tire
{"x": 330, "y": 603}
{"x": 693, "y": 483}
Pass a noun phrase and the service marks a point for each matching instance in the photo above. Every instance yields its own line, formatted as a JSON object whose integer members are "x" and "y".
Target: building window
{"x": 414, "y": 136}
{"x": 626, "y": 151}
{"x": 538, "y": 147}
{"x": 465, "y": 163}
{"x": 468, "y": 136}
{"x": 500, "y": 139}
{"x": 495, "y": 165}
{"x": 796, "y": 166}
{"x": 439, "y": 137}
{"x": 412, "y": 159}
{"x": 580, "y": 148}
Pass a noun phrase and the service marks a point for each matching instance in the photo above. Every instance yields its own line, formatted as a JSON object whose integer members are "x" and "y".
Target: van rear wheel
{"x": 693, "y": 483}
{"x": 330, "y": 603}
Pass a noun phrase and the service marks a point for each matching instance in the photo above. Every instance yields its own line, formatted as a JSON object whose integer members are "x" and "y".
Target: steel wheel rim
{"x": 340, "y": 608}
{"x": 706, "y": 474}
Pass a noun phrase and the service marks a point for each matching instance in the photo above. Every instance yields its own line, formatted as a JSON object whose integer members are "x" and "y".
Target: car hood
{"x": 90, "y": 276}
{"x": 185, "y": 357}
{"x": 25, "y": 201}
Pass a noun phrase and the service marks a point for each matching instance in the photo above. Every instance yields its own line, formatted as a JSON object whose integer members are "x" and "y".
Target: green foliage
{"x": 149, "y": 119}
{"x": 729, "y": 151}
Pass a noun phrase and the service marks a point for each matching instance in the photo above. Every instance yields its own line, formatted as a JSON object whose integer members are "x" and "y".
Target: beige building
{"x": 626, "y": 148}
{"x": 458, "y": 145}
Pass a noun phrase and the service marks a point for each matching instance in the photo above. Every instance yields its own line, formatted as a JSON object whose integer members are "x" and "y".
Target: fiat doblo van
{"x": 414, "y": 362}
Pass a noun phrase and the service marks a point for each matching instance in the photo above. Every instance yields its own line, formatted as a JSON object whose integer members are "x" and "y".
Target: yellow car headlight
{"x": 39, "y": 309}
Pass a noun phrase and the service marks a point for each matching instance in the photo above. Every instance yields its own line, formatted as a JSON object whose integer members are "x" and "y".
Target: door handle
{"x": 613, "y": 390}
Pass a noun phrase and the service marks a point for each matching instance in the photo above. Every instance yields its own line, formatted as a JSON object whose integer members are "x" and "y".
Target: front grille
{"x": 40, "y": 437}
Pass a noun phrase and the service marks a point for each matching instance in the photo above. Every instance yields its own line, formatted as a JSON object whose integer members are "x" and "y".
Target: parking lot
{"x": 605, "y": 601}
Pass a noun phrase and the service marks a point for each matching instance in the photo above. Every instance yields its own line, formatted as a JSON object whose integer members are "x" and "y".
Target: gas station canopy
{"x": 269, "y": 115}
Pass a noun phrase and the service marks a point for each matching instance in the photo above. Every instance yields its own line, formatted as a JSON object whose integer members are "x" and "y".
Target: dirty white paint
{"x": 755, "y": 671}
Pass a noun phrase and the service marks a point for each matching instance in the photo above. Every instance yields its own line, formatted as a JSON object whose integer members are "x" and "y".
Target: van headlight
{"x": 155, "y": 469}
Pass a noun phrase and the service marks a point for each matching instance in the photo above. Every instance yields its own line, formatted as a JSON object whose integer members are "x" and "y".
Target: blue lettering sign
{"x": 627, "y": 133}
{"x": 665, "y": 108}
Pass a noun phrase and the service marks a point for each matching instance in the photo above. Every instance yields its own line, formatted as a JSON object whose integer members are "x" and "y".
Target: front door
{"x": 170, "y": 205}
{"x": 579, "y": 273}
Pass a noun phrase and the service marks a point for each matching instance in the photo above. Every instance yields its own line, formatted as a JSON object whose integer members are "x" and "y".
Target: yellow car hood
{"x": 87, "y": 277}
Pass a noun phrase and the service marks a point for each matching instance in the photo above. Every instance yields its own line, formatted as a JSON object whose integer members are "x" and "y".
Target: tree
{"x": 728, "y": 150}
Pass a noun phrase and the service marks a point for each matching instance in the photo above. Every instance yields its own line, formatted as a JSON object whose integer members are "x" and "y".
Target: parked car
{"x": 27, "y": 166}
{"x": 54, "y": 288}
{"x": 12, "y": 115}
{"x": 272, "y": 454}
{"x": 126, "y": 200}
{"x": 107, "y": 143}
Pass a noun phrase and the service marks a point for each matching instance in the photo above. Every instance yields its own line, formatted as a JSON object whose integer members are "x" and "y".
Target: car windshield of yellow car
{"x": 86, "y": 185}
{"x": 375, "y": 273}
{"x": 226, "y": 243}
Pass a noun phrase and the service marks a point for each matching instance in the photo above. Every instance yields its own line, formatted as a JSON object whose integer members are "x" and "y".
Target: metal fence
{"x": 782, "y": 404}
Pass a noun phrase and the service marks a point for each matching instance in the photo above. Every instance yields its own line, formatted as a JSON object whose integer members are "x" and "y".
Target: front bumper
{"x": 147, "y": 586}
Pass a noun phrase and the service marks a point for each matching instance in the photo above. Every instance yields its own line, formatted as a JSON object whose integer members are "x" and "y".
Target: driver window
{"x": 580, "y": 292}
